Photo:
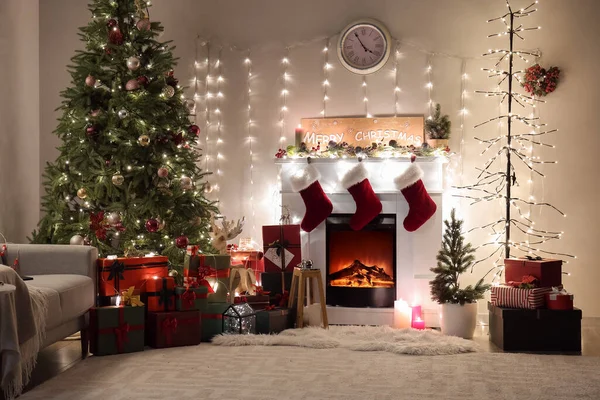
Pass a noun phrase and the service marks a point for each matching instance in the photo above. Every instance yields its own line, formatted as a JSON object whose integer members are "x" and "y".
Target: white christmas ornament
{"x": 122, "y": 113}
{"x": 76, "y": 240}
{"x": 133, "y": 63}
{"x": 113, "y": 218}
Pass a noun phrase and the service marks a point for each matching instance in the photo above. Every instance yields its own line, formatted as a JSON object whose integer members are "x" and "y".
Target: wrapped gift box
{"x": 559, "y": 300}
{"x": 548, "y": 272}
{"x": 212, "y": 320}
{"x": 257, "y": 302}
{"x": 116, "y": 329}
{"x": 191, "y": 298}
{"x": 159, "y": 294}
{"x": 281, "y": 245}
{"x": 174, "y": 328}
{"x": 543, "y": 330}
{"x": 276, "y": 282}
{"x": 511, "y": 297}
{"x": 274, "y": 321}
{"x": 252, "y": 260}
{"x": 116, "y": 274}
{"x": 212, "y": 271}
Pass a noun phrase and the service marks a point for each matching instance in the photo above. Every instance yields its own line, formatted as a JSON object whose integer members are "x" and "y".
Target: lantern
{"x": 239, "y": 318}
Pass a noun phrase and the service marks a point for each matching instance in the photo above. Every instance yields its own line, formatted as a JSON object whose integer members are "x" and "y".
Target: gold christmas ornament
{"x": 118, "y": 179}
{"x": 133, "y": 63}
{"x": 82, "y": 193}
{"x": 168, "y": 91}
{"x": 144, "y": 140}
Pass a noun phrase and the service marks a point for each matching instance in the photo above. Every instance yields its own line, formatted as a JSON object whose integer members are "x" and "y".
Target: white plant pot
{"x": 459, "y": 320}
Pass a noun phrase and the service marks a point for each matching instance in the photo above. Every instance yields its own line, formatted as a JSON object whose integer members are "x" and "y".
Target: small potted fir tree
{"x": 459, "y": 306}
{"x": 437, "y": 129}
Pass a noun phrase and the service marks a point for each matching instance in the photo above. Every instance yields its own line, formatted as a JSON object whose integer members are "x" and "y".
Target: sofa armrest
{"x": 50, "y": 259}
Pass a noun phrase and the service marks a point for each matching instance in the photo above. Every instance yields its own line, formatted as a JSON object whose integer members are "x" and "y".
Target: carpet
{"x": 359, "y": 338}
{"x": 212, "y": 372}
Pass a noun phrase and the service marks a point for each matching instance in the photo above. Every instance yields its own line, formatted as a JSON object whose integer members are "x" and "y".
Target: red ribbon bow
{"x": 194, "y": 285}
{"x": 121, "y": 335}
{"x": 188, "y": 298}
{"x": 169, "y": 327}
{"x": 269, "y": 308}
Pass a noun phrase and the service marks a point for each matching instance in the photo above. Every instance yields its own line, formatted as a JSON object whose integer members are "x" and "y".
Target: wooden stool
{"x": 300, "y": 276}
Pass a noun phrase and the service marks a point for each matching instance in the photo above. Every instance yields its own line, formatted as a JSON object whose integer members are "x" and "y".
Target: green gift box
{"x": 274, "y": 321}
{"x": 212, "y": 320}
{"x": 212, "y": 271}
{"x": 116, "y": 329}
{"x": 192, "y": 298}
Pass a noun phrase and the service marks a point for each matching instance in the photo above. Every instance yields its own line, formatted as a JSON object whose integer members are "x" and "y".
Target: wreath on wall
{"x": 539, "y": 81}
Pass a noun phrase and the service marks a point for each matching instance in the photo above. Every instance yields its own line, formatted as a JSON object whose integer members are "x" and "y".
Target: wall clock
{"x": 364, "y": 46}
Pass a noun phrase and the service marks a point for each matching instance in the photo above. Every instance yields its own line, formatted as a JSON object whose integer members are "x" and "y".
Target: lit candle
{"x": 416, "y": 313}
{"x": 118, "y": 301}
{"x": 402, "y": 314}
{"x": 418, "y": 323}
{"x": 299, "y": 130}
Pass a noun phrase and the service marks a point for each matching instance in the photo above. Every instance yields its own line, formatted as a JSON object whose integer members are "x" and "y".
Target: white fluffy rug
{"x": 359, "y": 338}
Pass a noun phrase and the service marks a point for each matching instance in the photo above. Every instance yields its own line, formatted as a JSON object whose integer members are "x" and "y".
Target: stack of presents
{"x": 140, "y": 305}
{"x": 532, "y": 311}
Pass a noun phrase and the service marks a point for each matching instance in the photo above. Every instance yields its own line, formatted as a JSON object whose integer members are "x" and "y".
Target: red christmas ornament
{"x": 108, "y": 162}
{"x": 115, "y": 37}
{"x": 152, "y": 225}
{"x": 194, "y": 130}
{"x": 111, "y": 23}
{"x": 177, "y": 138}
{"x": 182, "y": 242}
{"x": 163, "y": 172}
{"x": 143, "y": 80}
{"x": 143, "y": 24}
{"x": 90, "y": 81}
{"x": 92, "y": 131}
{"x": 132, "y": 84}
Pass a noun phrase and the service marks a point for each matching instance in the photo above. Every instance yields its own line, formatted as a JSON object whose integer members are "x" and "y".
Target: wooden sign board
{"x": 363, "y": 132}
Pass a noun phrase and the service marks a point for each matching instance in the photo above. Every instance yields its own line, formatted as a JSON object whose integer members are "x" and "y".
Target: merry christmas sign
{"x": 406, "y": 131}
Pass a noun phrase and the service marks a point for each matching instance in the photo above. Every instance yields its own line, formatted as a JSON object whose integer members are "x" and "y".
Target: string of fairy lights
{"x": 326, "y": 68}
{"x": 513, "y": 146}
{"x": 285, "y": 62}
{"x": 365, "y": 88}
{"x": 219, "y": 96}
{"x": 249, "y": 123}
{"x": 429, "y": 86}
{"x": 397, "y": 89}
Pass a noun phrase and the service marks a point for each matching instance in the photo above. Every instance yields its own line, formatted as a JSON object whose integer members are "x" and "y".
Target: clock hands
{"x": 361, "y": 43}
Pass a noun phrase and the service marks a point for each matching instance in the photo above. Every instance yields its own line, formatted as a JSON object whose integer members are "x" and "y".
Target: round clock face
{"x": 364, "y": 47}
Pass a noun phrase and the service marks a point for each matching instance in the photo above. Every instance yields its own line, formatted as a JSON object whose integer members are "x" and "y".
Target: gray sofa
{"x": 67, "y": 274}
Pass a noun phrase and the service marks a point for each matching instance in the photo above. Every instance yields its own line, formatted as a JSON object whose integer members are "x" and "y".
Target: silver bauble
{"x": 190, "y": 105}
{"x": 76, "y": 240}
{"x": 113, "y": 218}
{"x": 168, "y": 91}
{"x": 186, "y": 183}
{"x": 208, "y": 188}
{"x": 118, "y": 179}
{"x": 123, "y": 113}
{"x": 133, "y": 63}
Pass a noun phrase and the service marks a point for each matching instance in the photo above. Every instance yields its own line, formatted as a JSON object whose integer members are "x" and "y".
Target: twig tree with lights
{"x": 521, "y": 135}
{"x": 126, "y": 180}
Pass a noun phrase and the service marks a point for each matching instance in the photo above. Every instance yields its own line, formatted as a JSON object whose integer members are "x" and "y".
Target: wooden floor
{"x": 65, "y": 354}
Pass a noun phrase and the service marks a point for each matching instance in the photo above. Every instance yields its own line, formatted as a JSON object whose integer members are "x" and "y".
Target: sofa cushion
{"x": 76, "y": 293}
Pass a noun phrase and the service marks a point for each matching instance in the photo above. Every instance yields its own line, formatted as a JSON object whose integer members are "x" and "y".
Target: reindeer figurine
{"x": 227, "y": 231}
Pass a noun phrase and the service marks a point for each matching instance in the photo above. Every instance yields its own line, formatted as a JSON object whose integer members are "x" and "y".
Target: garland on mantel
{"x": 345, "y": 150}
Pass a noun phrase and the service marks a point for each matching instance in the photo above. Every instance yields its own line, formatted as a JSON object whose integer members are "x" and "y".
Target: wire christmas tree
{"x": 517, "y": 143}
{"x": 126, "y": 180}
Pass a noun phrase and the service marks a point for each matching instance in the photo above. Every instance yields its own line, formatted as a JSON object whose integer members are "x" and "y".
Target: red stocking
{"x": 318, "y": 205}
{"x": 421, "y": 206}
{"x": 368, "y": 205}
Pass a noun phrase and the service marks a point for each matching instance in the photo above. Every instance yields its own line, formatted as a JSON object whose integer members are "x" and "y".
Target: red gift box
{"x": 511, "y": 297}
{"x": 548, "y": 272}
{"x": 159, "y": 294}
{"x": 118, "y": 274}
{"x": 282, "y": 250}
{"x": 174, "y": 328}
{"x": 253, "y": 260}
{"x": 559, "y": 300}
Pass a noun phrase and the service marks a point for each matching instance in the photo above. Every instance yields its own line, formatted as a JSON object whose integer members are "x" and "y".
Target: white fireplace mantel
{"x": 415, "y": 251}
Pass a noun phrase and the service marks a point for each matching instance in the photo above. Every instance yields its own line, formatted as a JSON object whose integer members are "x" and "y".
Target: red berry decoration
{"x": 182, "y": 242}
{"x": 111, "y": 23}
{"x": 115, "y": 37}
{"x": 152, "y": 225}
{"x": 143, "y": 80}
{"x": 194, "y": 130}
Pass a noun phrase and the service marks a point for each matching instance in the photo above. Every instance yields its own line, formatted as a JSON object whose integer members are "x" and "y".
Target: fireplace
{"x": 361, "y": 265}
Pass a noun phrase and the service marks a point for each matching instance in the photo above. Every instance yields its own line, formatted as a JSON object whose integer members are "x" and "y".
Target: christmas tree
{"x": 127, "y": 178}
{"x": 454, "y": 258}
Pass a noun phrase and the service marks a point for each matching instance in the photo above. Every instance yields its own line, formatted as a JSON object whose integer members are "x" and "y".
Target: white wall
{"x": 19, "y": 118}
{"x": 455, "y": 27}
